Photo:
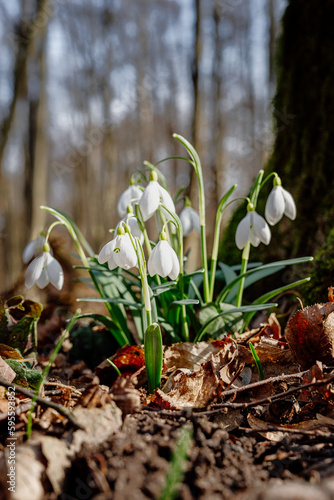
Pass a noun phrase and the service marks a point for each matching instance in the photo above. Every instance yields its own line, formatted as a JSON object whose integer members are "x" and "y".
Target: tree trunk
{"x": 38, "y": 182}
{"x": 303, "y": 153}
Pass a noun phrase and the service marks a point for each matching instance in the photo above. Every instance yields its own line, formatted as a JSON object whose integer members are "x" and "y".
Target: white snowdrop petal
{"x": 196, "y": 220}
{"x": 135, "y": 229}
{"x": 166, "y": 198}
{"x": 242, "y": 232}
{"x": 106, "y": 252}
{"x": 29, "y": 251}
{"x": 111, "y": 263}
{"x": 160, "y": 261}
{"x": 290, "y": 206}
{"x": 131, "y": 195}
{"x": 175, "y": 267}
{"x": 260, "y": 227}
{"x": 150, "y": 264}
{"x": 126, "y": 257}
{"x": 55, "y": 272}
{"x": 254, "y": 240}
{"x": 275, "y": 205}
{"x": 34, "y": 271}
{"x": 150, "y": 200}
{"x": 43, "y": 280}
{"x": 186, "y": 221}
{"x": 124, "y": 201}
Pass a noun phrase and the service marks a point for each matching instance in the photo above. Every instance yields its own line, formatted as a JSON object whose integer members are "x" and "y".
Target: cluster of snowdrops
{"x": 161, "y": 293}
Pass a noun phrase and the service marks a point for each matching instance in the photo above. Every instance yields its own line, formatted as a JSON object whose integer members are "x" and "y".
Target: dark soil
{"x": 221, "y": 465}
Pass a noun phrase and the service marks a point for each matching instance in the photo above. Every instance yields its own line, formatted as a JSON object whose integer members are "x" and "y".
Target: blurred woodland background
{"x": 89, "y": 89}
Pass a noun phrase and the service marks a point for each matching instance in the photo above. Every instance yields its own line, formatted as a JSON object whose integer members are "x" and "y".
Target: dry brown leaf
{"x": 306, "y": 425}
{"x": 327, "y": 421}
{"x": 128, "y": 359}
{"x": 125, "y": 395}
{"x": 99, "y": 423}
{"x": 260, "y": 425}
{"x": 47, "y": 456}
{"x": 310, "y": 334}
{"x": 228, "y": 421}
{"x": 196, "y": 389}
{"x": 6, "y": 371}
{"x": 29, "y": 470}
{"x": 94, "y": 396}
{"x": 49, "y": 417}
{"x": 268, "y": 354}
{"x": 192, "y": 356}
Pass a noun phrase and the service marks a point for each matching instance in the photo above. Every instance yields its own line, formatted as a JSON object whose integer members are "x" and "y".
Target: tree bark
{"x": 303, "y": 153}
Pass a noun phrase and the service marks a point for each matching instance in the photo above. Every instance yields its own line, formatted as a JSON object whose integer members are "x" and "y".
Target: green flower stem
{"x": 273, "y": 174}
{"x": 176, "y": 221}
{"x": 256, "y": 188}
{"x": 257, "y": 361}
{"x": 244, "y": 263}
{"x": 255, "y": 191}
{"x": 221, "y": 207}
{"x": 79, "y": 241}
{"x": 142, "y": 227}
{"x": 196, "y": 162}
{"x": 114, "y": 367}
{"x": 48, "y": 366}
{"x": 143, "y": 275}
{"x": 72, "y": 232}
{"x": 54, "y": 224}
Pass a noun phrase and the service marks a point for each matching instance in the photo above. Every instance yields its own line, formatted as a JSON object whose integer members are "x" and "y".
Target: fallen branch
{"x": 238, "y": 406}
{"x": 262, "y": 382}
{"x": 43, "y": 402}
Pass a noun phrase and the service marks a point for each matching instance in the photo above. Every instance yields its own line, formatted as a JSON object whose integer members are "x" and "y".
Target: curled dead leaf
{"x": 125, "y": 395}
{"x": 128, "y": 359}
{"x": 196, "y": 389}
{"x": 310, "y": 334}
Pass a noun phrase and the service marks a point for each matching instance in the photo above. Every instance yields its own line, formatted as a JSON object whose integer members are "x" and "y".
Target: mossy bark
{"x": 303, "y": 153}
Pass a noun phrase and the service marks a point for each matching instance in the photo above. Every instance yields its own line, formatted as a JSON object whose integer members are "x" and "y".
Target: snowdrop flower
{"x": 279, "y": 203}
{"x": 33, "y": 248}
{"x": 43, "y": 270}
{"x": 252, "y": 228}
{"x": 131, "y": 220}
{"x": 119, "y": 252}
{"x": 153, "y": 195}
{"x": 163, "y": 260}
{"x": 190, "y": 220}
{"x": 132, "y": 194}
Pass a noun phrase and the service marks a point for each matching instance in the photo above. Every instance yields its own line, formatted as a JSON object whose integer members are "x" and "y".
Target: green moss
{"x": 322, "y": 273}
{"x": 25, "y": 377}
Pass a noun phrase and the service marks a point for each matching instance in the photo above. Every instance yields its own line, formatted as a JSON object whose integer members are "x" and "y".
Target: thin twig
{"x": 270, "y": 399}
{"x": 239, "y": 406}
{"x": 49, "y": 404}
{"x": 274, "y": 428}
{"x": 262, "y": 382}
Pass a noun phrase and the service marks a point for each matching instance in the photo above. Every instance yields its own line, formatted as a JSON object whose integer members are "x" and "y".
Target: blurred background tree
{"x": 303, "y": 153}
{"x": 90, "y": 89}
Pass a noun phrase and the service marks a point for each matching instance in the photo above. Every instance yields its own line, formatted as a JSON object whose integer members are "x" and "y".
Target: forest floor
{"x": 215, "y": 431}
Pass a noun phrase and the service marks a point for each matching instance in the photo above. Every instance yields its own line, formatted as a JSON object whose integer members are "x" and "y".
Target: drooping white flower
{"x": 33, "y": 249}
{"x": 280, "y": 202}
{"x": 43, "y": 270}
{"x": 131, "y": 195}
{"x": 253, "y": 228}
{"x": 119, "y": 252}
{"x": 131, "y": 220}
{"x": 163, "y": 260}
{"x": 190, "y": 220}
{"x": 153, "y": 195}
